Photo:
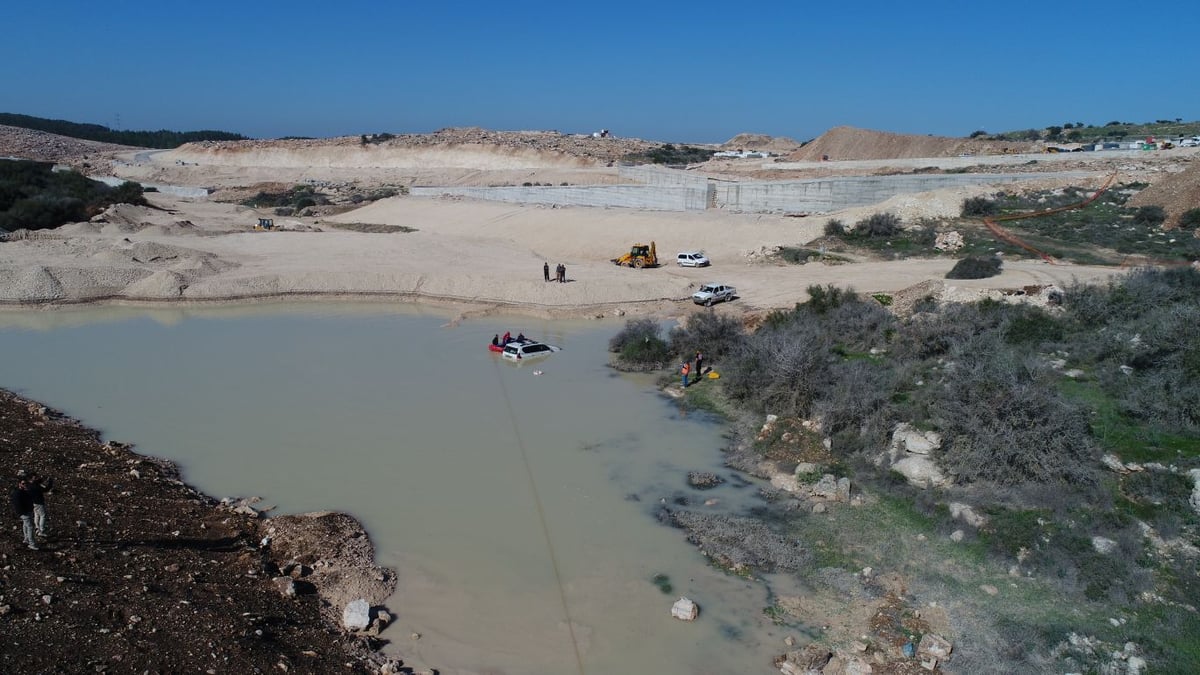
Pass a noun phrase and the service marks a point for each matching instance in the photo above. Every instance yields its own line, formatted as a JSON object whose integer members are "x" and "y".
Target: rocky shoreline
{"x": 143, "y": 573}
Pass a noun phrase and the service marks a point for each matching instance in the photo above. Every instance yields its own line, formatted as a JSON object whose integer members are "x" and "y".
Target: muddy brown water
{"x": 515, "y": 501}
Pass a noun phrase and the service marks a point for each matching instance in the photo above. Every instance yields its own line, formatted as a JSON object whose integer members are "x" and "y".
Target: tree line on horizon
{"x": 1078, "y": 132}
{"x": 162, "y": 138}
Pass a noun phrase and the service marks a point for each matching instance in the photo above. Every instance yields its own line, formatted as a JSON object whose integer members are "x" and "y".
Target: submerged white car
{"x": 519, "y": 351}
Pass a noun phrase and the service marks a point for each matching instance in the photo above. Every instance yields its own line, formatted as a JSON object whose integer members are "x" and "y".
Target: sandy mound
{"x": 476, "y": 149}
{"x": 1176, "y": 193}
{"x": 842, "y": 143}
{"x": 32, "y": 284}
{"x": 161, "y": 284}
{"x": 779, "y": 145}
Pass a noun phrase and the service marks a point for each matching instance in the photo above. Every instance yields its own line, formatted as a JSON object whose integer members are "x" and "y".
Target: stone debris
{"x": 685, "y": 610}
{"x": 909, "y": 454}
{"x": 357, "y": 615}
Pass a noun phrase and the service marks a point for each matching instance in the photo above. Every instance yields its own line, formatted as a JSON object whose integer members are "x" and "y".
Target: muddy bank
{"x": 141, "y": 572}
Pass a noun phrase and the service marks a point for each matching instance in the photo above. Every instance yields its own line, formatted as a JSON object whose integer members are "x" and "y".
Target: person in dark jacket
{"x": 22, "y": 505}
{"x": 38, "y": 487}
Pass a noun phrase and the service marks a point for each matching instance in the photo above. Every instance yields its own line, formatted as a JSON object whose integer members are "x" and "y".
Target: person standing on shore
{"x": 699, "y": 364}
{"x": 38, "y": 486}
{"x": 22, "y": 505}
{"x": 546, "y": 270}
{"x": 562, "y": 275}
{"x": 684, "y": 372}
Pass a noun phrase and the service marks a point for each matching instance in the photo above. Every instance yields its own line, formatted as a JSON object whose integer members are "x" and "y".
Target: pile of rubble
{"x": 583, "y": 146}
{"x": 45, "y": 147}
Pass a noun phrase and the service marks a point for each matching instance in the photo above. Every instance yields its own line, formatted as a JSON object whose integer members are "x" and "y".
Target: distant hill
{"x": 779, "y": 145}
{"x": 95, "y": 132}
{"x": 842, "y": 143}
{"x": 1078, "y": 132}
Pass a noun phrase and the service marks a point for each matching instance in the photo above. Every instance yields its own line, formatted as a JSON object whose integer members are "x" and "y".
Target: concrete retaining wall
{"x": 618, "y": 196}
{"x": 682, "y": 191}
{"x": 649, "y": 174}
{"x": 176, "y": 190}
{"x": 833, "y": 194}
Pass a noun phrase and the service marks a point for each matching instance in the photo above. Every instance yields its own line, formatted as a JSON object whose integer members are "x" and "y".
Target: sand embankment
{"x": 476, "y": 253}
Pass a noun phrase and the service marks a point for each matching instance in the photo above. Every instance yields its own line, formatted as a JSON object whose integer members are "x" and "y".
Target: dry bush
{"x": 713, "y": 334}
{"x": 779, "y": 370}
{"x": 859, "y": 325}
{"x": 1004, "y": 421}
{"x": 878, "y": 225}
{"x": 855, "y": 406}
{"x": 936, "y": 331}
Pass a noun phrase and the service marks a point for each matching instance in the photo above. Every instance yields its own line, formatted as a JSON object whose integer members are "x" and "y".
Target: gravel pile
{"x": 582, "y": 146}
{"x": 44, "y": 147}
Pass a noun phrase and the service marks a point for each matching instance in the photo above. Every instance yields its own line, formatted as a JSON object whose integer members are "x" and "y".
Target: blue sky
{"x": 695, "y": 71}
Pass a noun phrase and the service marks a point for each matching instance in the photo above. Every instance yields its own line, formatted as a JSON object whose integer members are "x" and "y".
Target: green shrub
{"x": 878, "y": 225}
{"x": 639, "y": 346}
{"x": 822, "y": 299}
{"x": 1033, "y": 326}
{"x": 1190, "y": 219}
{"x": 975, "y": 268}
{"x": 1151, "y": 216}
{"x": 834, "y": 228}
{"x": 670, "y": 154}
{"x": 797, "y": 256}
{"x": 1008, "y": 531}
{"x": 1163, "y": 489}
{"x": 977, "y": 207}
{"x": 33, "y": 196}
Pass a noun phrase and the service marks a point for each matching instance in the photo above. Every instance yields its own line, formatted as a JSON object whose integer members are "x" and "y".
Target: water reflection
{"x": 518, "y": 508}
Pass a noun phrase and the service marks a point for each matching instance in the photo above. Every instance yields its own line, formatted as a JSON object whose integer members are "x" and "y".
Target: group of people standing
{"x": 560, "y": 272}
{"x": 28, "y": 500}
{"x": 686, "y": 369}
{"x": 498, "y": 341}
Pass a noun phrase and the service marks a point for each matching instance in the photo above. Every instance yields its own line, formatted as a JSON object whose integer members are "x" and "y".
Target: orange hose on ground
{"x": 1005, "y": 235}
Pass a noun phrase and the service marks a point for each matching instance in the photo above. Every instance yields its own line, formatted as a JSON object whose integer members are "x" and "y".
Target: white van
{"x": 692, "y": 259}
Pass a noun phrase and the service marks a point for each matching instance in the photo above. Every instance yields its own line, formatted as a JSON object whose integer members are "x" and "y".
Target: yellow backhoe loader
{"x": 639, "y": 256}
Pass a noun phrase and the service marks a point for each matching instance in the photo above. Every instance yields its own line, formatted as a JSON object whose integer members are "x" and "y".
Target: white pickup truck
{"x": 710, "y": 294}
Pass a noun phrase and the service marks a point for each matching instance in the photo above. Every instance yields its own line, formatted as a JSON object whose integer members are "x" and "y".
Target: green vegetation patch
{"x": 371, "y": 228}
{"x": 295, "y": 199}
{"x": 34, "y": 196}
{"x": 670, "y": 154}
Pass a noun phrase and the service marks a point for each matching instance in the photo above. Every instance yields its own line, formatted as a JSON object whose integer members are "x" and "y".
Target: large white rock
{"x": 826, "y": 488}
{"x": 1103, "y": 545}
{"x": 357, "y": 615}
{"x": 785, "y": 482}
{"x": 965, "y": 513}
{"x": 934, "y": 646}
{"x": 685, "y": 610}
{"x": 915, "y": 441}
{"x": 1195, "y": 500}
{"x": 921, "y": 471}
{"x": 948, "y": 241}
